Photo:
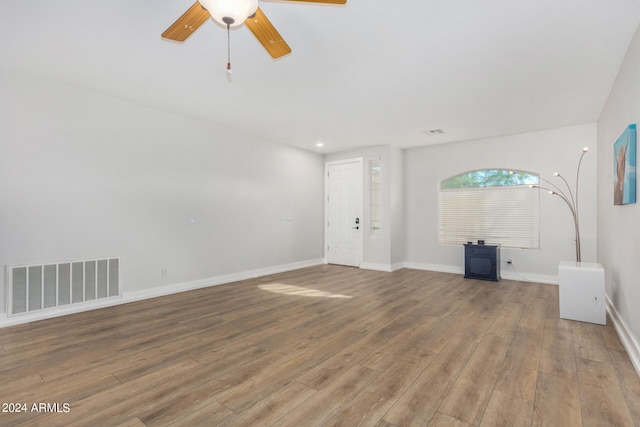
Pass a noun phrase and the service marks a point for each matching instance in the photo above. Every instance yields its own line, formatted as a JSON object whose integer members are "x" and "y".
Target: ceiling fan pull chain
{"x": 228, "y": 50}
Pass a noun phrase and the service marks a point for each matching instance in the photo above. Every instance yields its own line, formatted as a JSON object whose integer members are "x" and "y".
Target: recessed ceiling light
{"x": 319, "y": 144}
{"x": 433, "y": 132}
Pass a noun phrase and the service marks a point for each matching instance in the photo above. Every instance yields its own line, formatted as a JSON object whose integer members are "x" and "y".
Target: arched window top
{"x": 490, "y": 178}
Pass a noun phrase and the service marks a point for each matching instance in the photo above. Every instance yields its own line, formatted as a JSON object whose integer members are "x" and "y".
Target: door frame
{"x": 360, "y": 241}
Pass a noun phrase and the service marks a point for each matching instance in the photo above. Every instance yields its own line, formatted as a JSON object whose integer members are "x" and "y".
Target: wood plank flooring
{"x": 323, "y": 346}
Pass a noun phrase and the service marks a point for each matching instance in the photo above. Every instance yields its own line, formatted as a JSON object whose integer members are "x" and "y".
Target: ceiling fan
{"x": 233, "y": 13}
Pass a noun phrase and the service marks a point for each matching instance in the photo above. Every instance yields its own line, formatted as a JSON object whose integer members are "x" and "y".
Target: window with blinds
{"x": 494, "y": 205}
{"x": 374, "y": 198}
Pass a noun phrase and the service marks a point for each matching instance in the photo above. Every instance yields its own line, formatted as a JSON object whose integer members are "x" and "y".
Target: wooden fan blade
{"x": 267, "y": 34}
{"x": 322, "y": 1}
{"x": 189, "y": 22}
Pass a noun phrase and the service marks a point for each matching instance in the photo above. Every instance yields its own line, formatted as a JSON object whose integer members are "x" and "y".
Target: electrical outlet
{"x": 163, "y": 273}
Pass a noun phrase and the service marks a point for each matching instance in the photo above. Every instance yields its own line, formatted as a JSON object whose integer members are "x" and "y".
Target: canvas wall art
{"x": 624, "y": 167}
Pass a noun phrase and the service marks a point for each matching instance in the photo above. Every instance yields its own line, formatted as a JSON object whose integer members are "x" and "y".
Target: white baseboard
{"x": 397, "y": 266}
{"x": 507, "y": 275}
{"x": 389, "y": 268}
{"x": 153, "y": 293}
{"x": 630, "y": 343}
{"x": 49, "y": 313}
{"x": 453, "y": 269}
{"x": 219, "y": 280}
{"x": 529, "y": 277}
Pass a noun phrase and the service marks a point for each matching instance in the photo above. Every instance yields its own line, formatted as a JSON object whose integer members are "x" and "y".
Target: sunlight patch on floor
{"x": 281, "y": 288}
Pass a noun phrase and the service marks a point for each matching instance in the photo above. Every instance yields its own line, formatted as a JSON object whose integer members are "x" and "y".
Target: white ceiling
{"x": 371, "y": 72}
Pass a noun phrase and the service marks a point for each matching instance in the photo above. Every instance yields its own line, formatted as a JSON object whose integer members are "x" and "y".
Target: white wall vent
{"x": 43, "y": 286}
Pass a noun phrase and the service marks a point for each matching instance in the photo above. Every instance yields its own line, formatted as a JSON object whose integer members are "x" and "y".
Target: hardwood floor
{"x": 323, "y": 346}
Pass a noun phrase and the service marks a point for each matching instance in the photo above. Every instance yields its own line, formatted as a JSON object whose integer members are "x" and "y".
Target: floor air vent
{"x": 43, "y": 286}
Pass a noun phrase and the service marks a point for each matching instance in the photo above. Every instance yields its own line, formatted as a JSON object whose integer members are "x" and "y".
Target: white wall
{"x": 383, "y": 252}
{"x": 542, "y": 152}
{"x": 83, "y": 176}
{"x": 397, "y": 207}
{"x": 618, "y": 230}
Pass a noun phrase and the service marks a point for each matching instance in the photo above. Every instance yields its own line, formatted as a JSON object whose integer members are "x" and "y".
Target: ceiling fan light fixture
{"x": 230, "y": 12}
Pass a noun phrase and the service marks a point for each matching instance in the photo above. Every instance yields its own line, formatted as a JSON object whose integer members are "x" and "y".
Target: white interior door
{"x": 344, "y": 212}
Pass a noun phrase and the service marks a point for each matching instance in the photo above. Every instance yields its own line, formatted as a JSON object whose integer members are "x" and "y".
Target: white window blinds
{"x": 504, "y": 215}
